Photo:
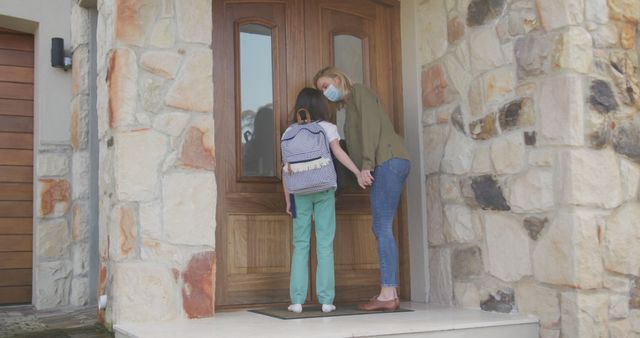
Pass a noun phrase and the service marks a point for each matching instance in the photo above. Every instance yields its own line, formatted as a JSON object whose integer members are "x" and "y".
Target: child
{"x": 322, "y": 206}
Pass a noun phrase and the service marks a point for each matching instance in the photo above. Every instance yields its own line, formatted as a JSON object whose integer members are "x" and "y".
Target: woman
{"x": 375, "y": 147}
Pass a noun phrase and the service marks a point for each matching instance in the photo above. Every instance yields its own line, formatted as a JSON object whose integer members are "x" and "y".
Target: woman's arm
{"x": 346, "y": 161}
{"x": 369, "y": 110}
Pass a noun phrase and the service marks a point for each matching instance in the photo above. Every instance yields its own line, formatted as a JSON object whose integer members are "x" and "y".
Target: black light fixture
{"x": 59, "y": 58}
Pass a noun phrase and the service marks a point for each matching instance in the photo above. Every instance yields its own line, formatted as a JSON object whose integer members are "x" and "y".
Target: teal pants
{"x": 323, "y": 206}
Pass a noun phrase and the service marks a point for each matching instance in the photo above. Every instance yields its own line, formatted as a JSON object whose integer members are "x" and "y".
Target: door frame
{"x": 406, "y": 59}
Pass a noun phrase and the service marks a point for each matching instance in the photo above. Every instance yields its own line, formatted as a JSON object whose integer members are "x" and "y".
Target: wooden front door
{"x": 16, "y": 166}
{"x": 264, "y": 53}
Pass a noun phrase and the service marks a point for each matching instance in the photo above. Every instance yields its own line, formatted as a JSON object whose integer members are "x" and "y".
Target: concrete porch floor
{"x": 424, "y": 321}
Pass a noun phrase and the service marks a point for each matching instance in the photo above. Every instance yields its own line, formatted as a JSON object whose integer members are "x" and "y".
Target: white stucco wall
{"x": 52, "y": 90}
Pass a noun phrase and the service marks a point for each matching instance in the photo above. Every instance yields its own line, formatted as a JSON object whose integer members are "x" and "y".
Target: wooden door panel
{"x": 258, "y": 256}
{"x": 13, "y": 277}
{"x": 15, "y": 260}
{"x": 15, "y": 294}
{"x": 16, "y": 191}
{"x": 14, "y": 226}
{"x": 16, "y": 157}
{"x": 16, "y": 140}
{"x": 16, "y": 58}
{"x": 16, "y": 107}
{"x": 9, "y": 243}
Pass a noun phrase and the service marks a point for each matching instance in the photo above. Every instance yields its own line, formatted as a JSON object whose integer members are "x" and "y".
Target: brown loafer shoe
{"x": 379, "y": 305}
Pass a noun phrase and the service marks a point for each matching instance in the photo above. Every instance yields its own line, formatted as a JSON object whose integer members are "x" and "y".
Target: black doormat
{"x": 315, "y": 311}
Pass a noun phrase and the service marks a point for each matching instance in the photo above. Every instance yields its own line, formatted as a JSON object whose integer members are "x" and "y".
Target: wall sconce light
{"x": 59, "y": 57}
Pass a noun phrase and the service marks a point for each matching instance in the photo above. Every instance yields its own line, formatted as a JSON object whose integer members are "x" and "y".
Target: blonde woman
{"x": 375, "y": 147}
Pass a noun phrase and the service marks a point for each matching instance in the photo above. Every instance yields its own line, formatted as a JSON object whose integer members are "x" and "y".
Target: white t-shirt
{"x": 330, "y": 130}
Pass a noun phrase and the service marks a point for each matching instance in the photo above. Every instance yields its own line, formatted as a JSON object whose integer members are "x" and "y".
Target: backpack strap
{"x": 303, "y": 119}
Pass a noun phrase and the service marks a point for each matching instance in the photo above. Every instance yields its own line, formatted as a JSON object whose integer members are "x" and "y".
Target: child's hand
{"x": 366, "y": 176}
{"x": 361, "y": 182}
{"x": 289, "y": 208}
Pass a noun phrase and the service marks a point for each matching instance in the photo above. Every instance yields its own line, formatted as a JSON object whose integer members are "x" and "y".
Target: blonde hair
{"x": 332, "y": 72}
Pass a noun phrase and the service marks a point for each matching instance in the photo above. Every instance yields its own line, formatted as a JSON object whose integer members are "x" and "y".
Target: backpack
{"x": 308, "y": 167}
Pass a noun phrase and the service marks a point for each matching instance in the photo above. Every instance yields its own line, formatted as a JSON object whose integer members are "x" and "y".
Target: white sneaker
{"x": 328, "y": 308}
{"x": 297, "y": 308}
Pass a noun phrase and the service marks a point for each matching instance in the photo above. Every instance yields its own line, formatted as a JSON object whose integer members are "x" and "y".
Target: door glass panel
{"x": 256, "y": 101}
{"x": 348, "y": 58}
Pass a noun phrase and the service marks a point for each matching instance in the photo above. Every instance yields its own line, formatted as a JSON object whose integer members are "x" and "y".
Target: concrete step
{"x": 425, "y": 321}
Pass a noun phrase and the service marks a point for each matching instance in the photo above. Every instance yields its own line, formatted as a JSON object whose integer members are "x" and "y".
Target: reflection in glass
{"x": 348, "y": 57}
{"x": 256, "y": 93}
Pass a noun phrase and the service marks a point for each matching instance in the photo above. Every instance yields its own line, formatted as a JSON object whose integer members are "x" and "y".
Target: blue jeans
{"x": 389, "y": 178}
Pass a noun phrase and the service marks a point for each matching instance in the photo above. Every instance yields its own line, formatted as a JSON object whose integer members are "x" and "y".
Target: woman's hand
{"x": 366, "y": 177}
{"x": 288, "y": 207}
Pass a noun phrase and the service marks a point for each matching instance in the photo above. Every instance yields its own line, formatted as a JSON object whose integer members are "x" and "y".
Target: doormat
{"x": 315, "y": 311}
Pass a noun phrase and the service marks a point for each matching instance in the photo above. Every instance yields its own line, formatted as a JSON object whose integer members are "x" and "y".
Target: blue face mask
{"x": 332, "y": 93}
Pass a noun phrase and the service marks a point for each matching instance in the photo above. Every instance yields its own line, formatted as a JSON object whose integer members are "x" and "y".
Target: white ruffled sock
{"x": 297, "y": 308}
{"x": 328, "y": 307}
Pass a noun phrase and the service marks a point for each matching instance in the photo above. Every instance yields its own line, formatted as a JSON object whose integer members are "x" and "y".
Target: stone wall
{"x": 62, "y": 216}
{"x": 157, "y": 158}
{"x": 531, "y": 114}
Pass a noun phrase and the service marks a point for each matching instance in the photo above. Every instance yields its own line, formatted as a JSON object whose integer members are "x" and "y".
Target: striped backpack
{"x": 308, "y": 167}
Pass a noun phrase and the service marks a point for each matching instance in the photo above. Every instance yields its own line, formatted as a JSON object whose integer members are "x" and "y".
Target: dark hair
{"x": 314, "y": 102}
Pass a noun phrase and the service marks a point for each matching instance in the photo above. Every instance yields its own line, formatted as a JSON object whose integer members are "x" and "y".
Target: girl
{"x": 380, "y": 152}
{"x": 322, "y": 206}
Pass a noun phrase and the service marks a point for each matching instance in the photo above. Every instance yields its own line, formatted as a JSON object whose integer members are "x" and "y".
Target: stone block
{"x": 441, "y": 284}
{"x": 500, "y": 301}
{"x": 622, "y": 233}
{"x": 150, "y": 219}
{"x": 602, "y": 98}
{"x": 626, "y": 140}
{"x": 467, "y": 262}
{"x": 507, "y": 247}
{"x": 573, "y": 50}
{"x": 80, "y": 26}
{"x": 80, "y": 254}
{"x": 193, "y": 88}
{"x": 596, "y": 11}
{"x": 458, "y": 154}
{"x": 194, "y": 21}
{"x": 137, "y": 159}
{"x": 624, "y": 71}
{"x": 432, "y": 28}
{"x": 458, "y": 69}
{"x": 434, "y": 86}
{"x": 53, "y": 284}
{"x": 568, "y": 254}
{"x": 605, "y": 36}
{"x": 466, "y": 295}
{"x": 455, "y": 29}
{"x": 53, "y": 197}
{"x": 508, "y": 154}
{"x": 122, "y": 88}
{"x": 79, "y": 127}
{"x": 80, "y": 70}
{"x": 476, "y": 98}
{"x": 198, "y": 292}
{"x": 589, "y": 178}
{"x": 534, "y": 225}
{"x": 79, "y": 291}
{"x": 584, "y": 315}
{"x": 152, "y": 92}
{"x": 484, "y": 128}
{"x": 171, "y": 124}
{"x": 459, "y": 226}
{"x": 163, "y": 34}
{"x": 620, "y": 329}
{"x": 488, "y": 193}
{"x": 615, "y": 283}
{"x": 618, "y": 306}
{"x": 560, "y": 111}
{"x": 634, "y": 320}
{"x": 498, "y": 84}
{"x": 81, "y": 171}
{"x": 188, "y": 215}
{"x": 53, "y": 238}
{"x": 197, "y": 149}
{"x": 541, "y": 157}
{"x": 435, "y": 211}
{"x": 482, "y": 160}
{"x": 532, "y": 298}
{"x": 80, "y": 221}
{"x": 164, "y": 64}
{"x": 516, "y": 114}
{"x": 132, "y": 19}
{"x": 480, "y": 12}
{"x": 486, "y": 53}
{"x": 630, "y": 174}
{"x": 450, "y": 188}
{"x": 532, "y": 53}
{"x": 435, "y": 138}
{"x": 532, "y": 192}
{"x": 559, "y": 13}
{"x": 628, "y": 35}
{"x": 123, "y": 232}
{"x": 53, "y": 164}
{"x": 624, "y": 10}
{"x": 143, "y": 292}
{"x": 523, "y": 20}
